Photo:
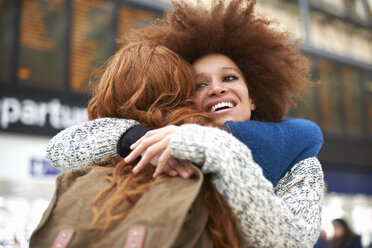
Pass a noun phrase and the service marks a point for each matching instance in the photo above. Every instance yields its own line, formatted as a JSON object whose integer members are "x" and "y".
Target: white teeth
{"x": 221, "y": 105}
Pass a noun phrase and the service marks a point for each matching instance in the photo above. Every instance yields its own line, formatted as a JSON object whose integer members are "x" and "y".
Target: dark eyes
{"x": 225, "y": 79}
{"x": 229, "y": 78}
{"x": 200, "y": 85}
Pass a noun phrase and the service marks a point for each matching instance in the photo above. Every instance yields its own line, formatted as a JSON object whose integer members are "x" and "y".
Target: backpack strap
{"x": 136, "y": 236}
{"x": 63, "y": 238}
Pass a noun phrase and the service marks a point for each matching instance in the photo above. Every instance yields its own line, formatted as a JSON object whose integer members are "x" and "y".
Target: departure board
{"x": 57, "y": 44}
{"x": 41, "y": 43}
{"x": 91, "y": 39}
{"x": 7, "y": 12}
{"x": 130, "y": 17}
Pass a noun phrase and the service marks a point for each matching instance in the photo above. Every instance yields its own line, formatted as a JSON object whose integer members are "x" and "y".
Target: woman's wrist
{"x": 129, "y": 137}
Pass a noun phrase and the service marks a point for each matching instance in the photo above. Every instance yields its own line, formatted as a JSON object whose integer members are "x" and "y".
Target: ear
{"x": 252, "y": 104}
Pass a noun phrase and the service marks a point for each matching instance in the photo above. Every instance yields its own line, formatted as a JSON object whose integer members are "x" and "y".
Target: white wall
{"x": 23, "y": 196}
{"x": 17, "y": 152}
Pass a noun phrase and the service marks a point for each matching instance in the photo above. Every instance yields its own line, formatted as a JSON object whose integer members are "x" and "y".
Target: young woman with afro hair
{"x": 247, "y": 76}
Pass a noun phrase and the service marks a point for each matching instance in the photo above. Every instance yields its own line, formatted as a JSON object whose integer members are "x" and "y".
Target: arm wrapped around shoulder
{"x": 91, "y": 142}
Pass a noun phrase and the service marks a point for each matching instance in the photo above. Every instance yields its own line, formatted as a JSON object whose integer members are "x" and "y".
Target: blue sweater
{"x": 277, "y": 147}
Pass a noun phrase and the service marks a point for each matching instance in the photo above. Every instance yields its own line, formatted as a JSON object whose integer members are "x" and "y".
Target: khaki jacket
{"x": 170, "y": 214}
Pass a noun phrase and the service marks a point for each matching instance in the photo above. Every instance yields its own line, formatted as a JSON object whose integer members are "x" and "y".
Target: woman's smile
{"x": 221, "y": 89}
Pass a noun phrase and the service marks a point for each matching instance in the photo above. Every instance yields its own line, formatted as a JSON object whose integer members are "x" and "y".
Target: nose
{"x": 217, "y": 89}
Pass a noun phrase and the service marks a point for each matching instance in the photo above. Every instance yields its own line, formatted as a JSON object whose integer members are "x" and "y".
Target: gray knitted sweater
{"x": 287, "y": 215}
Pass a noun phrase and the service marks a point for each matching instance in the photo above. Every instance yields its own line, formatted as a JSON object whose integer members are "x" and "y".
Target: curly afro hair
{"x": 275, "y": 71}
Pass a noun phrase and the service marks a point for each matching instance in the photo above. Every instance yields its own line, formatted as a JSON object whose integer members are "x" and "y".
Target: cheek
{"x": 244, "y": 94}
{"x": 243, "y": 89}
{"x": 246, "y": 103}
{"x": 246, "y": 116}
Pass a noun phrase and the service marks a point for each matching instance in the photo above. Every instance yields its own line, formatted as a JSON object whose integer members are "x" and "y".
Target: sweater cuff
{"x": 107, "y": 140}
{"x": 189, "y": 142}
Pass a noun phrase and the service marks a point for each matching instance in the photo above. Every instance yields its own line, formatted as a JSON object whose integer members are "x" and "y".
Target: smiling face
{"x": 221, "y": 89}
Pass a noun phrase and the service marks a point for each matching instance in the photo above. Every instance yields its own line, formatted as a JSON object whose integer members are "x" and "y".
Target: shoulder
{"x": 293, "y": 125}
{"x": 308, "y": 167}
{"x": 305, "y": 125}
{"x": 301, "y": 124}
{"x": 306, "y": 174}
{"x": 305, "y": 131}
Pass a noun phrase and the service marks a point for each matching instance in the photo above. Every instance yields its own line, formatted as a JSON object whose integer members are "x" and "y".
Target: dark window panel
{"x": 132, "y": 17}
{"x": 41, "y": 53}
{"x": 352, "y": 104}
{"x": 329, "y": 98}
{"x": 7, "y": 13}
{"x": 91, "y": 40}
{"x": 368, "y": 101}
{"x": 306, "y": 106}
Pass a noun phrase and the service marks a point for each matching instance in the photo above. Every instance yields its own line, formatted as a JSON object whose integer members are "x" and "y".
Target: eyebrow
{"x": 200, "y": 74}
{"x": 223, "y": 68}
{"x": 231, "y": 68}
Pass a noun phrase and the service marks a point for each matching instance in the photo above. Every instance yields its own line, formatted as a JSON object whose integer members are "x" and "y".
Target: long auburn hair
{"x": 153, "y": 85}
{"x": 275, "y": 71}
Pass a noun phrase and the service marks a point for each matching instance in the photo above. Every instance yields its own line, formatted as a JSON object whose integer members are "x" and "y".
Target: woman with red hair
{"x": 154, "y": 86}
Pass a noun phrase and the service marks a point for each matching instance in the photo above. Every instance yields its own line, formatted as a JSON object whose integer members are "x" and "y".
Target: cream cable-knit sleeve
{"x": 91, "y": 142}
{"x": 285, "y": 216}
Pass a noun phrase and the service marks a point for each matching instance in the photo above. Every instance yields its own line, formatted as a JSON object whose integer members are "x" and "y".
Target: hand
{"x": 157, "y": 143}
{"x": 174, "y": 167}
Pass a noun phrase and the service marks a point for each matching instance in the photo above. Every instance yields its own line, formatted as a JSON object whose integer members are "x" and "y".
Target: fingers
{"x": 154, "y": 147}
{"x": 150, "y": 153}
{"x": 188, "y": 171}
{"x": 156, "y": 132}
{"x": 182, "y": 168}
{"x": 163, "y": 160}
{"x": 166, "y": 161}
{"x": 151, "y": 137}
{"x": 153, "y": 162}
{"x": 166, "y": 164}
{"x": 141, "y": 147}
{"x": 171, "y": 172}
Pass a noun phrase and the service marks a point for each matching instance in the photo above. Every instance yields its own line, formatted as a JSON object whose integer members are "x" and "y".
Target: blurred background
{"x": 49, "y": 48}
